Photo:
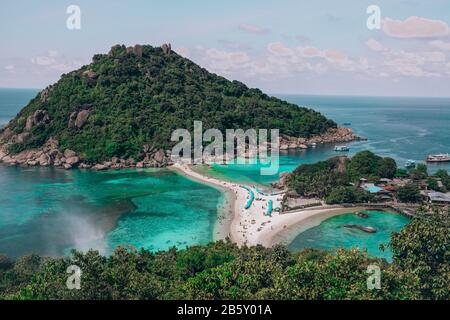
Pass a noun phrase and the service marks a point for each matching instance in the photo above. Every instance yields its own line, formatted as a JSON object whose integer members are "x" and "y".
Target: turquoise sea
{"x": 331, "y": 233}
{"x": 398, "y": 127}
{"x": 50, "y": 211}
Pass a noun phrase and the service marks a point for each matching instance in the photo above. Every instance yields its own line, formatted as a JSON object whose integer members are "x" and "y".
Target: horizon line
{"x": 292, "y": 94}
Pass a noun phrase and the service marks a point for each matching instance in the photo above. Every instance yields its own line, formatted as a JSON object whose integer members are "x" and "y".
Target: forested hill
{"x": 137, "y": 96}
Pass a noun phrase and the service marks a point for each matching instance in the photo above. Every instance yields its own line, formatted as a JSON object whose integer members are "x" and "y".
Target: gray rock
{"x": 45, "y": 94}
{"x": 166, "y": 48}
{"x": 69, "y": 153}
{"x": 72, "y": 160}
{"x": 159, "y": 156}
{"x": 39, "y": 117}
{"x": 99, "y": 167}
{"x": 82, "y": 118}
{"x": 137, "y": 50}
{"x": 44, "y": 160}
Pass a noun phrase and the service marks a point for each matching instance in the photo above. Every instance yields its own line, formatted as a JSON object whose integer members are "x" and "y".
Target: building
{"x": 439, "y": 197}
{"x": 370, "y": 187}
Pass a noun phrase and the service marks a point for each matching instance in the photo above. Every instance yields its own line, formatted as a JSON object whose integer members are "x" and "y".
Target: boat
{"x": 361, "y": 214}
{"x": 410, "y": 164}
{"x": 362, "y": 228}
{"x": 439, "y": 158}
{"x": 341, "y": 148}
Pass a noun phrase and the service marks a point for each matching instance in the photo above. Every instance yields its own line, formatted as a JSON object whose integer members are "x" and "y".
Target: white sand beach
{"x": 252, "y": 226}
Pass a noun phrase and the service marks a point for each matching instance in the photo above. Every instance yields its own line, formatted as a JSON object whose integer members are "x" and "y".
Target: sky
{"x": 280, "y": 46}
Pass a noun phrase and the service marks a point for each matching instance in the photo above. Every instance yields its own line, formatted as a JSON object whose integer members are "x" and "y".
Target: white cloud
{"x": 415, "y": 27}
{"x": 279, "y": 49}
{"x": 252, "y": 28}
{"x": 435, "y": 56}
{"x": 311, "y": 52}
{"x": 10, "y": 67}
{"x": 439, "y": 44}
{"x": 43, "y": 60}
{"x": 53, "y": 60}
{"x": 335, "y": 54}
{"x": 182, "y": 51}
{"x": 374, "y": 45}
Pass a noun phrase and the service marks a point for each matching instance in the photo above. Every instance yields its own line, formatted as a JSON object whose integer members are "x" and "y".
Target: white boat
{"x": 439, "y": 157}
{"x": 341, "y": 148}
{"x": 410, "y": 164}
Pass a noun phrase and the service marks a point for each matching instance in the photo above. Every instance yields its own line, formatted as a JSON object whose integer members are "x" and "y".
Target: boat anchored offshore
{"x": 410, "y": 164}
{"x": 439, "y": 158}
{"x": 341, "y": 148}
{"x": 362, "y": 228}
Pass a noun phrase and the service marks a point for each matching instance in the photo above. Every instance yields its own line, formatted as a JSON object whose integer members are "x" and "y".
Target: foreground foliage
{"x": 420, "y": 270}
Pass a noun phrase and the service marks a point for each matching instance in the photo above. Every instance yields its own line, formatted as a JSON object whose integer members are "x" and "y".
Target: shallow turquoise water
{"x": 398, "y": 127}
{"x": 49, "y": 211}
{"x": 331, "y": 234}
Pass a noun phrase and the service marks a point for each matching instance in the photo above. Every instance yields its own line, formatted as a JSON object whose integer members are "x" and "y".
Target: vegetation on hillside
{"x": 331, "y": 178}
{"x": 420, "y": 270}
{"x": 136, "y": 99}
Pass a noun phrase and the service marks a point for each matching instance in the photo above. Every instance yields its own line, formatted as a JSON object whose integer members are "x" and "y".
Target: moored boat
{"x": 362, "y": 228}
{"x": 439, "y": 158}
{"x": 410, "y": 164}
{"x": 341, "y": 148}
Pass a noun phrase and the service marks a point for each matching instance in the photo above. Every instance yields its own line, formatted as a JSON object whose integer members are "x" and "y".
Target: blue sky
{"x": 304, "y": 47}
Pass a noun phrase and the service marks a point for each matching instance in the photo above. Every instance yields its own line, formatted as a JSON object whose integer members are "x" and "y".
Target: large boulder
{"x": 44, "y": 160}
{"x": 45, "y": 94}
{"x": 72, "y": 160}
{"x": 159, "y": 156}
{"x": 166, "y": 48}
{"x": 37, "y": 118}
{"x": 69, "y": 153}
{"x": 91, "y": 76}
{"x": 21, "y": 137}
{"x": 81, "y": 118}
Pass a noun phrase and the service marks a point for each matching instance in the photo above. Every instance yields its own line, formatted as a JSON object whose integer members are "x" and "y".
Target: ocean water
{"x": 50, "y": 211}
{"x": 12, "y": 101}
{"x": 401, "y": 128}
{"x": 331, "y": 234}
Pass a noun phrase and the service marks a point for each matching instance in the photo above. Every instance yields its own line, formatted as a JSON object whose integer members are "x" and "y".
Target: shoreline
{"x": 252, "y": 226}
{"x": 225, "y": 211}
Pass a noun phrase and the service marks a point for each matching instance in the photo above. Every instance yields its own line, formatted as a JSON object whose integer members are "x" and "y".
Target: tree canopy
{"x": 335, "y": 175}
{"x": 221, "y": 270}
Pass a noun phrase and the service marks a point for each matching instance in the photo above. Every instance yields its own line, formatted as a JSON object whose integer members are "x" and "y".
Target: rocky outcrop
{"x": 166, "y": 48}
{"x": 45, "y": 94}
{"x": 91, "y": 76}
{"x": 50, "y": 155}
{"x": 78, "y": 119}
{"x": 136, "y": 50}
{"x": 37, "y": 118}
{"x": 333, "y": 135}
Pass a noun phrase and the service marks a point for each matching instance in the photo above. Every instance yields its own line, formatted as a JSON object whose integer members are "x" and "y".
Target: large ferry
{"x": 439, "y": 158}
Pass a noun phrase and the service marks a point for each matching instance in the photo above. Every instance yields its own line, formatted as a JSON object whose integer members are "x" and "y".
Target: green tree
{"x": 422, "y": 248}
{"x": 408, "y": 193}
{"x": 419, "y": 173}
{"x": 348, "y": 195}
{"x": 387, "y": 167}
